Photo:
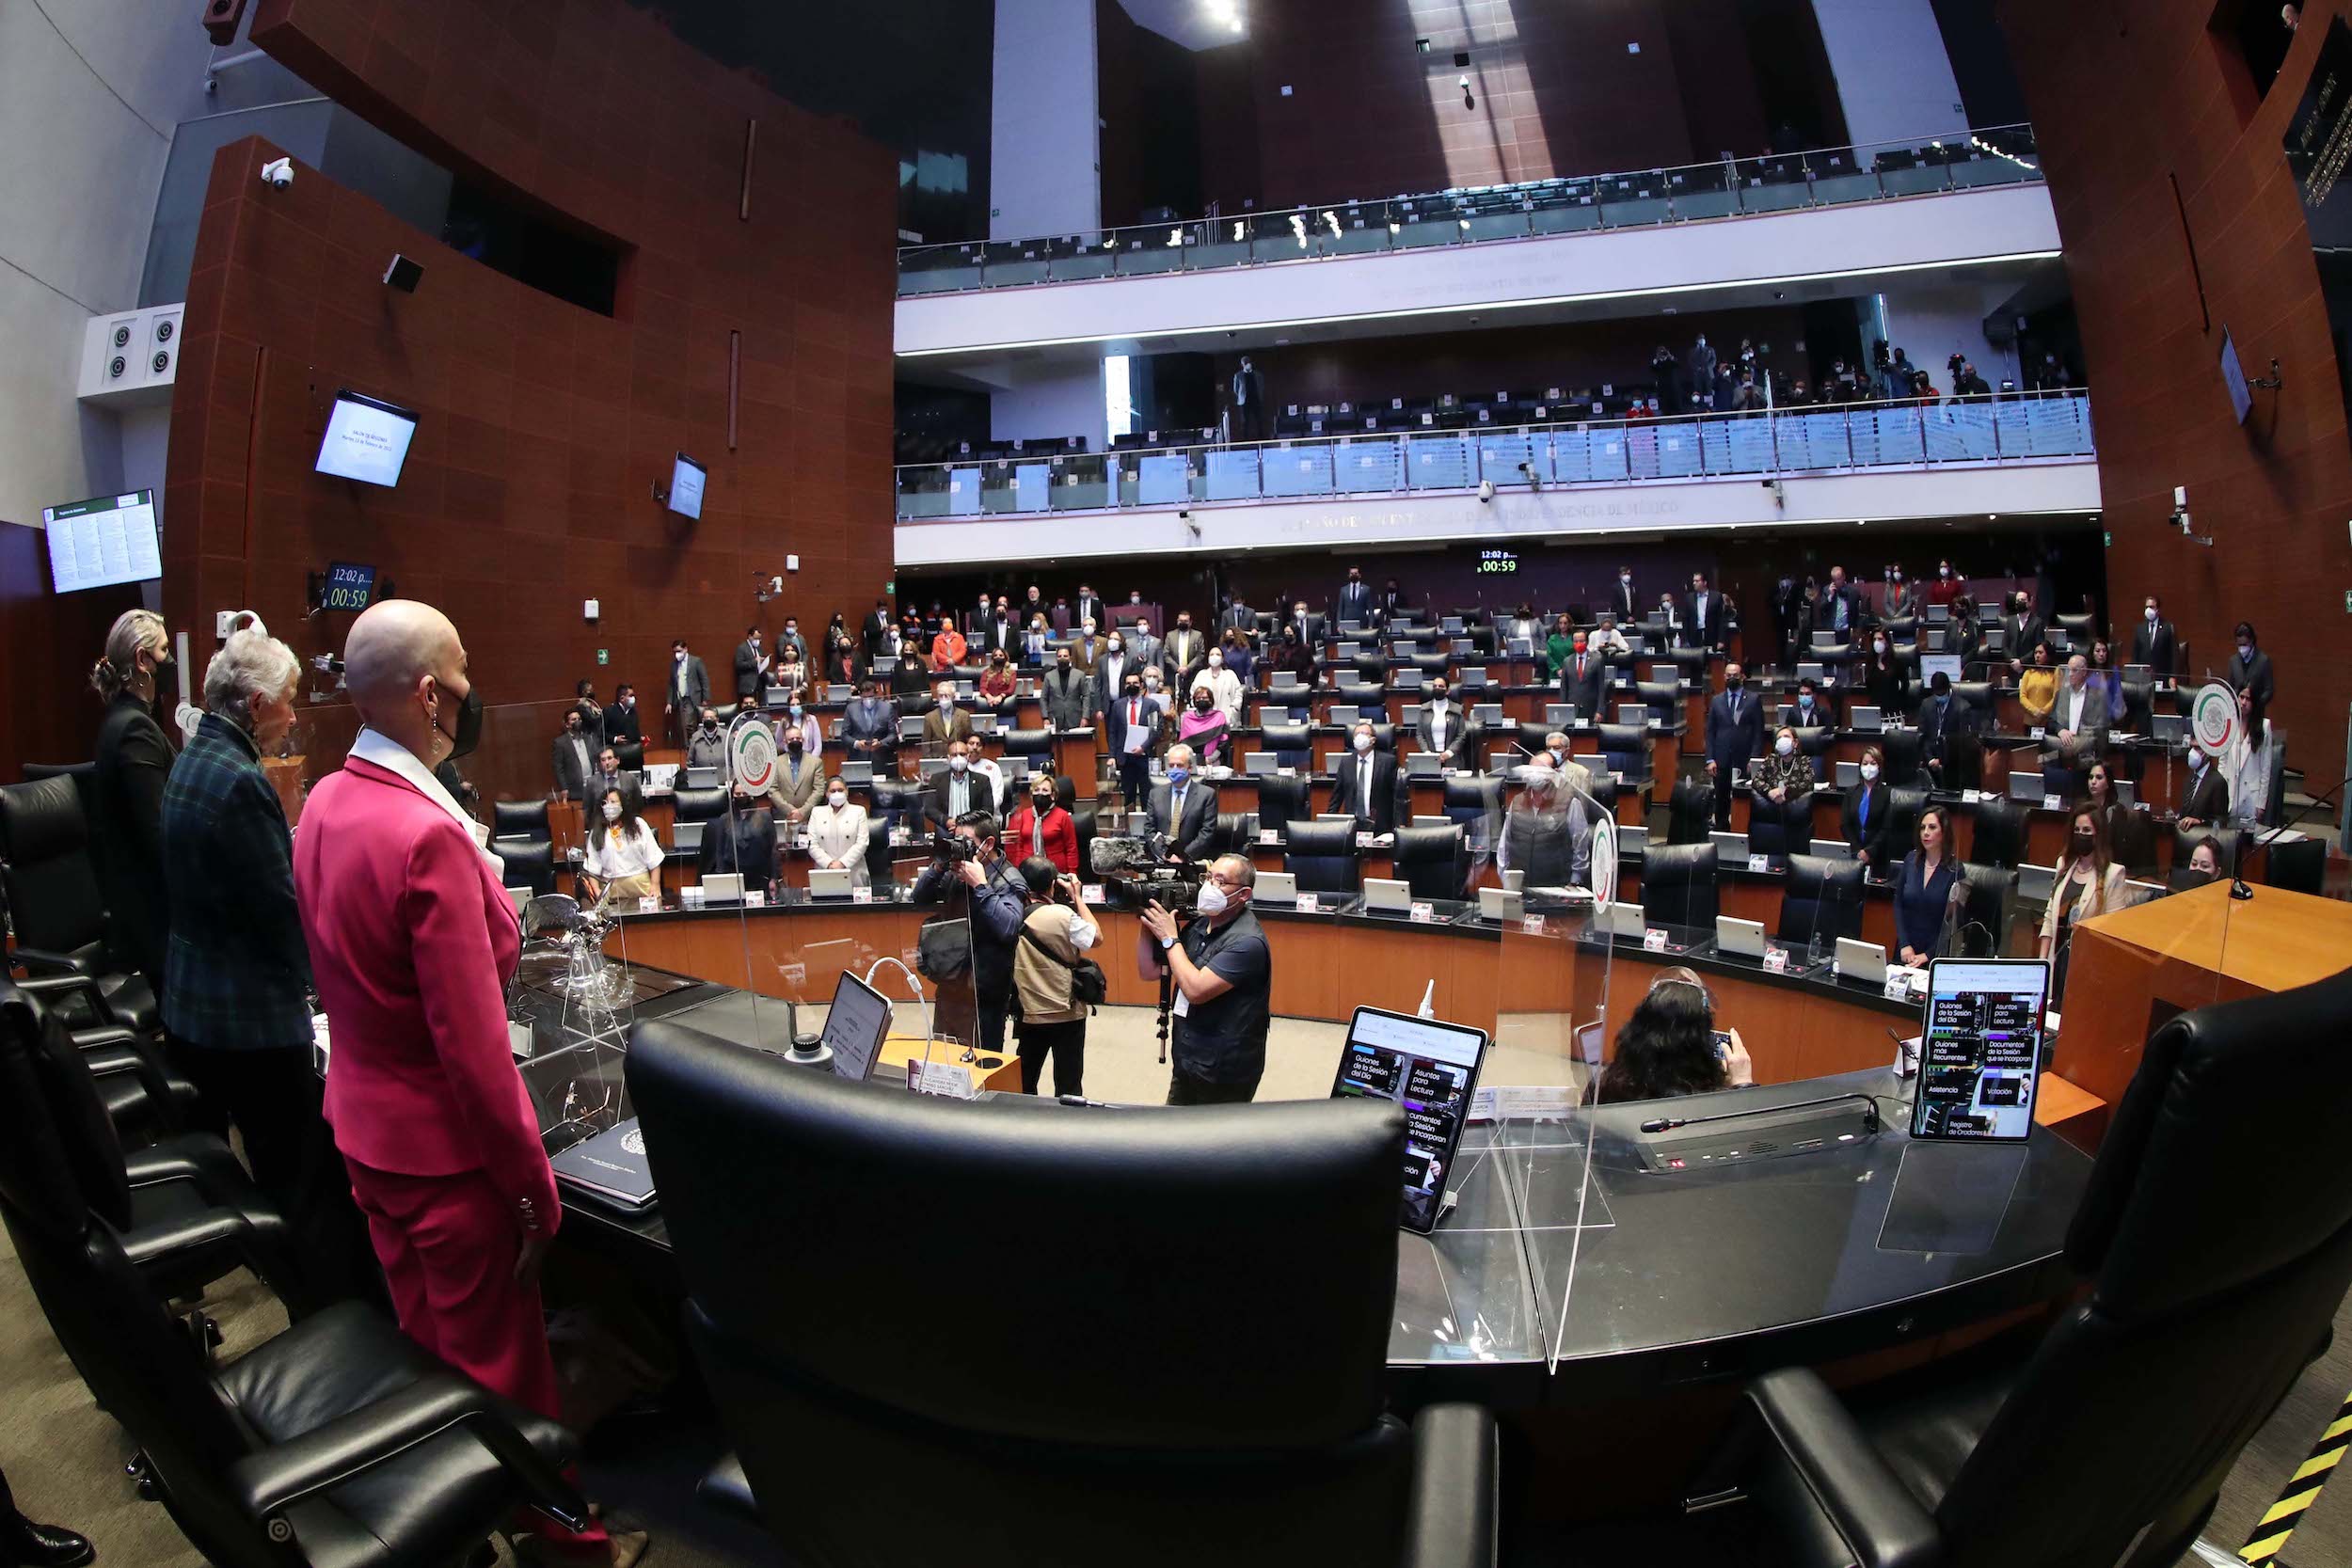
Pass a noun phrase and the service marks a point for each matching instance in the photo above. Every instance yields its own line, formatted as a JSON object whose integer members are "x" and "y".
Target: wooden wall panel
{"x": 544, "y": 425}
{"x": 51, "y": 641}
{"x": 2127, "y": 102}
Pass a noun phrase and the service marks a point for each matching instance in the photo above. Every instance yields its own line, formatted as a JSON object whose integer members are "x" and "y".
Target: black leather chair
{"x": 1820, "y": 902}
{"x": 2228, "y": 847}
{"x": 631, "y": 754}
{"x": 1136, "y": 1426}
{"x": 1231, "y": 834}
{"x": 1530, "y": 738}
{"x": 1678, "y": 886}
{"x": 1904, "y": 802}
{"x": 1690, "y": 809}
{"x": 1778, "y": 828}
{"x": 1292, "y": 745}
{"x": 1901, "y": 748}
{"x": 2299, "y": 866}
{"x": 531, "y": 866}
{"x": 1432, "y": 665}
{"x": 1322, "y": 855}
{"x": 1999, "y": 834}
{"x": 1988, "y": 895}
{"x": 1474, "y": 806}
{"x": 51, "y": 884}
{"x": 1433, "y": 860}
{"x": 2132, "y": 841}
{"x": 524, "y": 819}
{"x": 1627, "y": 748}
{"x": 2079, "y": 630}
{"x": 701, "y": 805}
{"x": 891, "y": 801}
{"x": 1283, "y": 802}
{"x": 339, "y": 1442}
{"x": 1037, "y": 745}
{"x": 1083, "y": 818}
{"x": 2218, "y": 1253}
{"x": 1813, "y": 744}
{"x": 879, "y": 867}
{"x": 1664, "y": 699}
{"x": 1360, "y": 699}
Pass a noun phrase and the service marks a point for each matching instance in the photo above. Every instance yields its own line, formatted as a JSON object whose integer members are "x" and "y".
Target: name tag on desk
{"x": 754, "y": 898}
{"x": 1269, "y": 835}
{"x": 2034, "y": 734}
{"x": 1760, "y": 862}
{"x": 1532, "y": 924}
{"x": 648, "y": 904}
{"x": 1776, "y": 960}
{"x": 1423, "y": 913}
{"x": 1899, "y": 983}
{"x": 1308, "y": 903}
{"x": 1090, "y": 892}
{"x": 861, "y": 896}
{"x": 1654, "y": 940}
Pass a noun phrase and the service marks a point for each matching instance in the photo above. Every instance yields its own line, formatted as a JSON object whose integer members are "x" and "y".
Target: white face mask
{"x": 1627, "y": 576}
{"x": 1212, "y": 900}
{"x": 1558, "y": 757}
{"x": 836, "y": 799}
{"x": 1363, "y": 743}
{"x": 1216, "y": 661}
{"x": 945, "y": 702}
{"x": 612, "y": 810}
{"x": 1942, "y": 571}
{"x": 1869, "y": 771}
{"x": 957, "y": 765}
{"x": 1878, "y": 646}
{"x": 2196, "y": 760}
{"x": 1784, "y": 745}
{"x": 2151, "y": 614}
{"x": 1114, "y": 645}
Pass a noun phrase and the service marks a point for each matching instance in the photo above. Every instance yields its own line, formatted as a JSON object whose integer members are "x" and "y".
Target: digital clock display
{"x": 348, "y": 587}
{"x": 1497, "y": 562}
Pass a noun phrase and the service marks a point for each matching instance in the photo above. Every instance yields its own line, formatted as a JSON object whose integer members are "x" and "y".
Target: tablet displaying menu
{"x": 1980, "y": 1048}
{"x": 1430, "y": 1069}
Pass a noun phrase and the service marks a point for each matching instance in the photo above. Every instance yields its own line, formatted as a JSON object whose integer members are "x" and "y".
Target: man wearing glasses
{"x": 1223, "y": 976}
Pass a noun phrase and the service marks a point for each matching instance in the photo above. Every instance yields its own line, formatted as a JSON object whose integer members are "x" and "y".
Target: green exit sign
{"x": 603, "y": 657}
{"x": 2110, "y": 538}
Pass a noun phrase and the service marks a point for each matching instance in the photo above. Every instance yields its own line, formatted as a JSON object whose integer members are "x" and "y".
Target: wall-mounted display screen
{"x": 97, "y": 543}
{"x": 366, "y": 440}
{"x": 686, "y": 486}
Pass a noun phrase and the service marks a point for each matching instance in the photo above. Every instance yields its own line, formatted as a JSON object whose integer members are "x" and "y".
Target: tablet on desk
{"x": 828, "y": 885}
{"x": 1744, "y": 937}
{"x": 687, "y": 838}
{"x": 855, "y": 1026}
{"x": 1860, "y": 961}
{"x": 1275, "y": 887}
{"x": 1729, "y": 845}
{"x": 1431, "y": 1070}
{"x": 1388, "y": 892}
{"x": 1980, "y": 1049}
{"x": 1833, "y": 849}
{"x": 724, "y": 887}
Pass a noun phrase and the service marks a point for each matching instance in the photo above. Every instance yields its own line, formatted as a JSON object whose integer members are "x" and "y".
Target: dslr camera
{"x": 950, "y": 847}
{"x": 1135, "y": 872}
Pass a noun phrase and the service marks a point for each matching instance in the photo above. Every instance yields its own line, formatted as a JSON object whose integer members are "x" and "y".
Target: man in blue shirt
{"x": 1222, "y": 979}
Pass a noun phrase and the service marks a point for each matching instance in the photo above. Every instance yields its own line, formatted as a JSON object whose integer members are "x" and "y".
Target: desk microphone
{"x": 1871, "y": 1116}
{"x": 2239, "y": 889}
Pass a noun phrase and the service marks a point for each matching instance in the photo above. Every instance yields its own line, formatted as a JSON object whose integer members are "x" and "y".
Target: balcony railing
{"x": 1841, "y": 438}
{"x": 2001, "y": 156}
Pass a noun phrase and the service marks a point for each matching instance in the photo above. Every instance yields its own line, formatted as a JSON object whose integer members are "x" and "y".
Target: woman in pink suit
{"x": 412, "y": 939}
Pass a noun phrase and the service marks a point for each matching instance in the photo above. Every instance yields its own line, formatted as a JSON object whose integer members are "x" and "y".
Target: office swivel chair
{"x": 1137, "y": 1425}
{"x": 880, "y": 869}
{"x": 1322, "y": 856}
{"x": 1998, "y": 837}
{"x": 2218, "y": 1253}
{"x": 702, "y": 805}
{"x": 1988, "y": 895}
{"x": 1690, "y": 809}
{"x": 1904, "y": 802}
{"x": 2229, "y": 847}
{"x": 1085, "y": 819}
{"x": 1292, "y": 745}
{"x": 1530, "y": 738}
{"x": 1433, "y": 860}
{"x": 631, "y": 754}
{"x": 1231, "y": 834}
{"x": 1283, "y": 802}
{"x": 890, "y": 801}
{"x": 1813, "y": 744}
{"x": 1822, "y": 901}
{"x": 1664, "y": 699}
{"x": 531, "y": 866}
{"x": 1359, "y": 700}
{"x": 523, "y": 820}
{"x": 2299, "y": 866}
{"x": 1627, "y": 747}
{"x": 1778, "y": 828}
{"x": 1678, "y": 885}
{"x": 1037, "y": 745}
{"x": 1900, "y": 750}
{"x": 51, "y": 884}
{"x": 339, "y": 1441}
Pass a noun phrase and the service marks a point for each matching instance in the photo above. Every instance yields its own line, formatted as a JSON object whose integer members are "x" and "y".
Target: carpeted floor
{"x": 65, "y": 1460}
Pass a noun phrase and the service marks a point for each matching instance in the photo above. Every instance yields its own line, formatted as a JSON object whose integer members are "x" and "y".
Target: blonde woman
{"x": 134, "y": 761}
{"x": 2088, "y": 883}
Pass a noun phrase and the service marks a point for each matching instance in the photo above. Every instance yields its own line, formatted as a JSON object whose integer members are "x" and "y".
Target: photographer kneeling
{"x": 995, "y": 898}
{"x": 1223, "y": 975}
{"x": 1055, "y": 936}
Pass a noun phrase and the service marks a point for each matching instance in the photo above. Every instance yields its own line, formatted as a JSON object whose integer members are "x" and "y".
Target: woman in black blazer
{"x": 1866, "y": 814}
{"x": 127, "y": 793}
{"x": 1884, "y": 678}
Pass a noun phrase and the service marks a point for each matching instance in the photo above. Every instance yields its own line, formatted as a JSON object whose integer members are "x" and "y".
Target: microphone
{"x": 2239, "y": 888}
{"x": 1871, "y": 1117}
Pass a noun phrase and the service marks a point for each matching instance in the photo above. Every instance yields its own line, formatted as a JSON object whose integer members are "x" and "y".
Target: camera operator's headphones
{"x": 1706, "y": 996}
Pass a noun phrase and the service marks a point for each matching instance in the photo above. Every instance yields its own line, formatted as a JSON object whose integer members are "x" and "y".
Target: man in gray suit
{"x": 1142, "y": 647}
{"x": 1183, "y": 810}
{"x": 688, "y": 689}
{"x": 1069, "y": 695}
{"x": 574, "y": 757}
{"x": 1182, "y": 651}
{"x": 2076, "y": 733}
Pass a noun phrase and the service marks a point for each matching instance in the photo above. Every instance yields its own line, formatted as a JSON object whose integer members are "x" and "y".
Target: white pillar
{"x": 1893, "y": 78}
{"x": 1045, "y": 162}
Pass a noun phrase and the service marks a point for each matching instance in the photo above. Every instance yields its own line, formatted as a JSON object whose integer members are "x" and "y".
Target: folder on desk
{"x": 610, "y": 1167}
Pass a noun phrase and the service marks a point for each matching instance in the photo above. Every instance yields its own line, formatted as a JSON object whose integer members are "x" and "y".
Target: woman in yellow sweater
{"x": 2038, "y": 686}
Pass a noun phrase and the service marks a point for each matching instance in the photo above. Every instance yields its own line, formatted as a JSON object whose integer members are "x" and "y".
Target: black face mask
{"x": 469, "y": 733}
{"x": 2084, "y": 842}
{"x": 1736, "y": 682}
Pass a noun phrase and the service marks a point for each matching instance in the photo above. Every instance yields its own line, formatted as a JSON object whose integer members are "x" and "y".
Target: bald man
{"x": 412, "y": 939}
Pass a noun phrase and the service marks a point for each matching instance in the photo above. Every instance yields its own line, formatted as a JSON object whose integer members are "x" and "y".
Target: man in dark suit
{"x": 1582, "y": 676}
{"x": 1841, "y": 607}
{"x": 1735, "y": 735}
{"x": 2249, "y": 671}
{"x": 1183, "y": 810}
{"x": 620, "y": 723}
{"x": 573, "y": 758}
{"x": 688, "y": 690}
{"x": 2154, "y": 642}
{"x": 2021, "y": 629}
{"x": 1134, "y": 727}
{"x": 876, "y": 629}
{"x": 1365, "y": 782}
{"x": 1238, "y": 617}
{"x": 870, "y": 727}
{"x": 1441, "y": 726}
{"x": 1621, "y": 597}
{"x": 1946, "y": 724}
{"x": 977, "y": 619}
{"x": 1389, "y": 604}
{"x": 1355, "y": 601}
{"x": 957, "y": 787}
{"x": 2207, "y": 801}
{"x": 1703, "y": 622}
{"x": 1250, "y": 413}
{"x": 752, "y": 663}
{"x": 1087, "y": 606}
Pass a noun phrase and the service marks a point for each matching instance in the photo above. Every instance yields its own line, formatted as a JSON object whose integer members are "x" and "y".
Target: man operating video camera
{"x": 1222, "y": 975}
{"x": 968, "y": 867}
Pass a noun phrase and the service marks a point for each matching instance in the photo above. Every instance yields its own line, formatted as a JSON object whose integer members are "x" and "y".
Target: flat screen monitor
{"x": 855, "y": 1027}
{"x": 1932, "y": 665}
{"x": 2233, "y": 377}
{"x": 366, "y": 440}
{"x": 686, "y": 486}
{"x": 1980, "y": 1049}
{"x": 103, "y": 542}
{"x": 1431, "y": 1070}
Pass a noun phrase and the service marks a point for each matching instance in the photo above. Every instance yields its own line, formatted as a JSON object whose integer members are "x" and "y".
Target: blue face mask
{"x": 1178, "y": 775}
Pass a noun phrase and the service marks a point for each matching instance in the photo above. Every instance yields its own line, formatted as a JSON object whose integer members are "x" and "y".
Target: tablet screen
{"x": 1980, "y": 1048}
{"x": 1431, "y": 1070}
{"x": 855, "y": 1026}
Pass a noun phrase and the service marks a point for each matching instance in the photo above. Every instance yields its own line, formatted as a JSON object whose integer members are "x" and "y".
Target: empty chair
{"x": 2132, "y": 841}
{"x": 1678, "y": 885}
{"x": 1627, "y": 747}
{"x": 1433, "y": 860}
{"x": 51, "y": 885}
{"x": 1988, "y": 895}
{"x": 1998, "y": 836}
{"x": 1432, "y": 665}
{"x": 1133, "y": 1425}
{"x": 1904, "y": 804}
{"x": 1474, "y": 806}
{"x": 1292, "y": 745}
{"x": 1822, "y": 901}
{"x": 1084, "y": 818}
{"x": 702, "y": 805}
{"x": 1230, "y": 836}
{"x": 631, "y": 754}
{"x": 1360, "y": 699}
{"x": 1664, "y": 699}
{"x": 1813, "y": 744}
{"x": 531, "y": 866}
{"x": 524, "y": 819}
{"x": 1283, "y": 802}
{"x": 894, "y": 802}
{"x": 1322, "y": 855}
{"x": 2218, "y": 1254}
{"x": 1032, "y": 745}
{"x": 1901, "y": 748}
{"x": 2299, "y": 865}
{"x": 879, "y": 869}
{"x": 1531, "y": 739}
{"x": 1691, "y": 810}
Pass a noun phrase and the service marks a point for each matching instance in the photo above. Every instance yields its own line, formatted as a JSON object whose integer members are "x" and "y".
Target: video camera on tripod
{"x": 1136, "y": 871}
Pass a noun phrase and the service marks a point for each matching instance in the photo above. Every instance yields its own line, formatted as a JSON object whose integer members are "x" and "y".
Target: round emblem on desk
{"x": 751, "y": 753}
{"x": 633, "y": 1141}
{"x": 2213, "y": 720}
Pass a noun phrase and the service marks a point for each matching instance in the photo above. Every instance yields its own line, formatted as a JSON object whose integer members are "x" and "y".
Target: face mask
{"x": 1735, "y": 683}
{"x": 946, "y": 704}
{"x": 1869, "y": 771}
{"x": 2246, "y": 650}
{"x": 1135, "y": 691}
{"x": 957, "y": 765}
{"x": 468, "y": 732}
{"x": 612, "y": 810}
{"x": 2083, "y": 843}
{"x": 1114, "y": 645}
{"x": 678, "y": 656}
{"x": 1153, "y": 682}
{"x": 796, "y": 710}
{"x": 1878, "y": 646}
{"x": 2151, "y": 613}
{"x": 1558, "y": 757}
{"x": 710, "y": 724}
{"x": 629, "y": 701}
{"x": 1898, "y": 577}
{"x": 1363, "y": 743}
{"x": 836, "y": 799}
{"x": 1627, "y": 576}
{"x": 1200, "y": 704}
{"x": 1178, "y": 775}
{"x": 1805, "y": 699}
{"x": 1042, "y": 803}
{"x": 795, "y": 745}
{"x": 1212, "y": 900}
{"x": 1784, "y": 746}
{"x": 2196, "y": 762}
{"x": 1942, "y": 571}
{"x": 1216, "y": 661}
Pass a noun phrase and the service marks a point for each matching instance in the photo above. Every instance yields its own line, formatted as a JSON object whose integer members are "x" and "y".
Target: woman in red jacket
{"x": 1041, "y": 827}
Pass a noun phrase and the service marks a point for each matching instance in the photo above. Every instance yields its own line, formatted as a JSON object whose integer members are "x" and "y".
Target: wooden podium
{"x": 2135, "y": 968}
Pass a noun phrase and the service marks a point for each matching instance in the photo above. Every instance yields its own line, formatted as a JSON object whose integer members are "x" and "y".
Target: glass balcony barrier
{"x": 1729, "y": 188}
{"x": 2004, "y": 427}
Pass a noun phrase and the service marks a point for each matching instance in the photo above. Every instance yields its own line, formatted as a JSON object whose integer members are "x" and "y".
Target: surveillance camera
{"x": 1485, "y": 490}
{"x": 278, "y": 172}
